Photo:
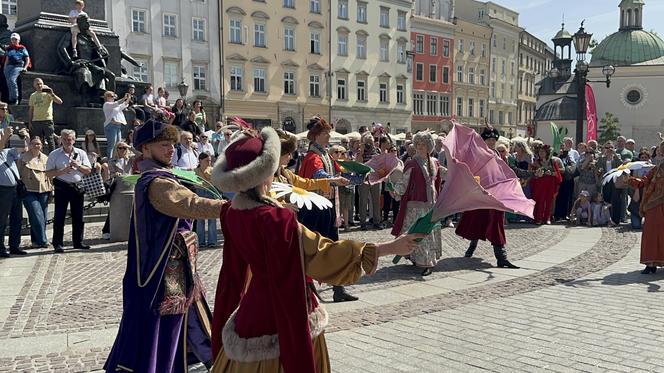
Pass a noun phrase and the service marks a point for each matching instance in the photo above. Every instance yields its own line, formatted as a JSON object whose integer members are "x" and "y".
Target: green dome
{"x": 627, "y": 47}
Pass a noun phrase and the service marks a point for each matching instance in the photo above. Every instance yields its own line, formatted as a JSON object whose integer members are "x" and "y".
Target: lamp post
{"x": 183, "y": 88}
{"x": 581, "y": 44}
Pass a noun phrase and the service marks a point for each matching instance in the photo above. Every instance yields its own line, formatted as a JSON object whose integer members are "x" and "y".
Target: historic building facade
{"x": 471, "y": 72}
{"x": 174, "y": 41}
{"x": 432, "y": 46}
{"x": 370, "y": 81}
{"x": 533, "y": 67}
{"x": 504, "y": 58}
{"x": 275, "y": 61}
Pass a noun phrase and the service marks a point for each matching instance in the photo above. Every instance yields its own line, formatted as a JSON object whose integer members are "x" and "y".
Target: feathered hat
{"x": 248, "y": 161}
{"x": 490, "y": 133}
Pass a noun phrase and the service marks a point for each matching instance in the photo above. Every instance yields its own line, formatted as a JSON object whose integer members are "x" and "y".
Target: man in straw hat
{"x": 166, "y": 322}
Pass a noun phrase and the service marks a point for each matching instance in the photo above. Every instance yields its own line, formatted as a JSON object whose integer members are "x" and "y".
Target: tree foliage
{"x": 609, "y": 129}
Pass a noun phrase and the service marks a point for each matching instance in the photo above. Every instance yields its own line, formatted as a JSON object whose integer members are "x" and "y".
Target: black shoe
{"x": 378, "y": 226}
{"x": 18, "y": 252}
{"x": 427, "y": 272}
{"x": 4, "y": 253}
{"x": 82, "y": 247}
{"x": 58, "y": 249}
{"x": 506, "y": 264}
{"x": 341, "y": 295}
{"x": 471, "y": 249}
{"x": 649, "y": 269}
{"x": 363, "y": 227}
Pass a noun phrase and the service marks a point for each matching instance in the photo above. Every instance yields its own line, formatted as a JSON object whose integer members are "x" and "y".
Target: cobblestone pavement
{"x": 467, "y": 316}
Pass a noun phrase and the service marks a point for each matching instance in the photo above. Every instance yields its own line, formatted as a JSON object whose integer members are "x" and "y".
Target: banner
{"x": 591, "y": 114}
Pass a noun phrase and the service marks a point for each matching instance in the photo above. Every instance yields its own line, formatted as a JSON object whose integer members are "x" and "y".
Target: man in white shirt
{"x": 569, "y": 146}
{"x": 67, "y": 165}
{"x": 186, "y": 155}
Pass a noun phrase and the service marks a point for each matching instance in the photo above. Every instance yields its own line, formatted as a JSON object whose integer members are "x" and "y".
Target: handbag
{"x": 21, "y": 190}
{"x": 93, "y": 184}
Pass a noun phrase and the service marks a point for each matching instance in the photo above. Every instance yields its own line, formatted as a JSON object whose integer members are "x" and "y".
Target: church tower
{"x": 631, "y": 14}
{"x": 562, "y": 40}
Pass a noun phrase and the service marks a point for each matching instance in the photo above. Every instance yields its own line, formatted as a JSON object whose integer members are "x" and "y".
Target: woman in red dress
{"x": 544, "y": 184}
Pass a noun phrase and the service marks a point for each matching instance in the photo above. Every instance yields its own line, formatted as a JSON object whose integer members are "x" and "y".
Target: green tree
{"x": 610, "y": 128}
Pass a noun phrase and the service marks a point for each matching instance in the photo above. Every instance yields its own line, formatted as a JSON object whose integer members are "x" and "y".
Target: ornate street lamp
{"x": 183, "y": 88}
{"x": 581, "y": 43}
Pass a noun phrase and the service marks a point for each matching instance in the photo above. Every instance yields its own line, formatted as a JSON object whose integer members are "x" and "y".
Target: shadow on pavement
{"x": 618, "y": 279}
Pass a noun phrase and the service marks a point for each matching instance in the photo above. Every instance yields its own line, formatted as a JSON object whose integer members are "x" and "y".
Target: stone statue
{"x": 89, "y": 70}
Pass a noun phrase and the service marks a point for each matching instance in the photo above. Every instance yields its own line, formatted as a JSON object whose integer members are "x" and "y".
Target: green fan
{"x": 423, "y": 225}
{"x": 185, "y": 177}
{"x": 356, "y": 167}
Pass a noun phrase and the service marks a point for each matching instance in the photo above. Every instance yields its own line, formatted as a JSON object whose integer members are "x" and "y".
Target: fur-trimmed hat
{"x": 248, "y": 161}
{"x": 490, "y": 133}
{"x": 424, "y": 137}
{"x": 288, "y": 142}
{"x": 154, "y": 130}
{"x": 316, "y": 126}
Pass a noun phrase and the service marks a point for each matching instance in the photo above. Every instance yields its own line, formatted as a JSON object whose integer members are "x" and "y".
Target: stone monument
{"x": 45, "y": 29}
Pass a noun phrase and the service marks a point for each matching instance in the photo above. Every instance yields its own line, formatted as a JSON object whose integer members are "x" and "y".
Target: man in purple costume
{"x": 165, "y": 323}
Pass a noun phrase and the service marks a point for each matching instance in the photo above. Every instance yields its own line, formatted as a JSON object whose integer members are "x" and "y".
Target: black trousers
{"x": 67, "y": 195}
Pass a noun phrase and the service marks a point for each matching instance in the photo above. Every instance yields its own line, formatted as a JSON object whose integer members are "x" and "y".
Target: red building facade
{"x": 432, "y": 42}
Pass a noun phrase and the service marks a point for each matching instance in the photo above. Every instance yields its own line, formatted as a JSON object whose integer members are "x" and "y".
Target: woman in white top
{"x": 114, "y": 119}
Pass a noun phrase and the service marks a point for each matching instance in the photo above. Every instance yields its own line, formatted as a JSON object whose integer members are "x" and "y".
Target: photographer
{"x": 40, "y": 116}
{"x": 10, "y": 203}
{"x": 67, "y": 166}
{"x": 114, "y": 119}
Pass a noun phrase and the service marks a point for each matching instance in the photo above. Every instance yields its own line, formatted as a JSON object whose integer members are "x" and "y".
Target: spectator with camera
{"x": 66, "y": 166}
{"x": 11, "y": 189}
{"x": 40, "y": 117}
{"x": 5, "y": 117}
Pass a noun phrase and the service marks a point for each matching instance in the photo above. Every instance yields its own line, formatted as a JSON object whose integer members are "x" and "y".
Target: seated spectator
{"x": 120, "y": 164}
{"x": 5, "y": 117}
{"x": 190, "y": 125}
{"x": 92, "y": 148}
{"x": 601, "y": 213}
{"x": 180, "y": 115}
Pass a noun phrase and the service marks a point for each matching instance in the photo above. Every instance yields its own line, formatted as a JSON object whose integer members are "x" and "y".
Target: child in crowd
{"x": 79, "y": 5}
{"x": 582, "y": 211}
{"x": 601, "y": 213}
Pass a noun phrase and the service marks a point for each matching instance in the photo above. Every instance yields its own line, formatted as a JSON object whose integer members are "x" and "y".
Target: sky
{"x": 542, "y": 18}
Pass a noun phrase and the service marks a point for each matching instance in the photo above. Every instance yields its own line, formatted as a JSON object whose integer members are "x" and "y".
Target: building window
{"x": 141, "y": 72}
{"x": 361, "y": 90}
{"x": 236, "y": 31}
{"x": 511, "y": 91}
{"x": 459, "y": 111}
{"x": 259, "y": 79}
{"x": 383, "y": 92}
{"x": 510, "y": 117}
{"x": 200, "y": 77}
{"x": 9, "y": 7}
{"x": 471, "y": 107}
{"x": 633, "y": 97}
{"x": 471, "y": 75}
{"x": 446, "y": 48}
{"x": 459, "y": 74}
{"x": 401, "y": 21}
{"x": 513, "y": 70}
{"x": 483, "y": 50}
{"x": 289, "y": 83}
{"x": 494, "y": 41}
{"x": 343, "y": 9}
{"x": 289, "y": 39}
{"x": 170, "y": 74}
{"x": 314, "y": 6}
{"x": 482, "y": 77}
{"x": 289, "y": 4}
{"x": 481, "y": 108}
{"x": 492, "y": 117}
{"x": 341, "y": 89}
{"x": 494, "y": 67}
{"x": 401, "y": 52}
{"x": 170, "y": 24}
{"x": 400, "y": 94}
{"x": 446, "y": 74}
{"x": 384, "y": 17}
{"x": 501, "y": 117}
{"x": 314, "y": 85}
{"x": 198, "y": 27}
{"x": 259, "y": 35}
{"x": 503, "y": 68}
{"x": 461, "y": 45}
{"x": 471, "y": 47}
{"x": 419, "y": 72}
{"x": 361, "y": 12}
{"x": 315, "y": 42}
{"x": 236, "y": 78}
{"x": 432, "y": 104}
{"x": 361, "y": 47}
{"x": 419, "y": 44}
{"x": 418, "y": 104}
{"x": 384, "y": 50}
{"x": 445, "y": 106}
{"x": 433, "y": 69}
{"x": 433, "y": 46}
{"x": 342, "y": 44}
{"x": 137, "y": 20}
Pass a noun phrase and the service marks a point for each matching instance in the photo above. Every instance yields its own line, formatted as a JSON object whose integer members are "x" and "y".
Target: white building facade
{"x": 174, "y": 41}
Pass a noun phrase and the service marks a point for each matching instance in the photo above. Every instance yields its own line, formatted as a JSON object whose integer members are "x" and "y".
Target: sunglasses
{"x": 122, "y": 148}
